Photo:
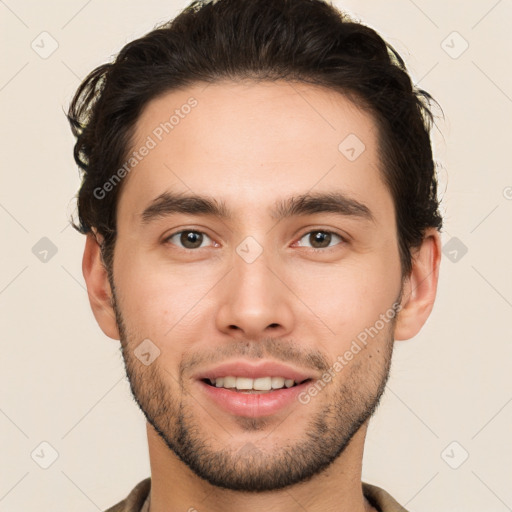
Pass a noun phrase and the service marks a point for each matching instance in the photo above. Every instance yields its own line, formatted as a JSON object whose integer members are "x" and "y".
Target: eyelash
{"x": 325, "y": 231}
{"x": 313, "y": 249}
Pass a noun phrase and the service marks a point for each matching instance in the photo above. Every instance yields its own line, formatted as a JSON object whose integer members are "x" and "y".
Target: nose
{"x": 255, "y": 301}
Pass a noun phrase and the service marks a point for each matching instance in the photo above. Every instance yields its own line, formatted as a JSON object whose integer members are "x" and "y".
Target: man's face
{"x": 273, "y": 288}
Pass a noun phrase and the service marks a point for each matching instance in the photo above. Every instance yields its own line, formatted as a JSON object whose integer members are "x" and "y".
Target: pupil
{"x": 191, "y": 239}
{"x": 322, "y": 238}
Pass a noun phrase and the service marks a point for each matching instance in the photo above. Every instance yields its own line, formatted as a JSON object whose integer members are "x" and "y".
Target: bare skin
{"x": 251, "y": 146}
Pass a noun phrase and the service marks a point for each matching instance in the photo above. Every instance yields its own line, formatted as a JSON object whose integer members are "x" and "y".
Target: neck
{"x": 338, "y": 488}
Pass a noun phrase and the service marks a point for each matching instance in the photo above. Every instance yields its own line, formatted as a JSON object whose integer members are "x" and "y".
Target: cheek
{"x": 158, "y": 302}
{"x": 348, "y": 298}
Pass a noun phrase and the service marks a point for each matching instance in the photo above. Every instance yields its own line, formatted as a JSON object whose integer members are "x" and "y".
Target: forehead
{"x": 252, "y": 141}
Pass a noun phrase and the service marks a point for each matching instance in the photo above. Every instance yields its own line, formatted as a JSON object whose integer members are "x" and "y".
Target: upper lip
{"x": 253, "y": 371}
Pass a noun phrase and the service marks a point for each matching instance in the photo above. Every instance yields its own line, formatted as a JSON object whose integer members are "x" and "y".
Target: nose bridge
{"x": 253, "y": 279}
{"x": 254, "y": 301}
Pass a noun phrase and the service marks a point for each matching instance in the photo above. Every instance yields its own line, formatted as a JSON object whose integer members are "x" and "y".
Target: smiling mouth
{"x": 258, "y": 385}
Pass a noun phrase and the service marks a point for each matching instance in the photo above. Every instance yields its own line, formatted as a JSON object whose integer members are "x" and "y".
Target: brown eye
{"x": 188, "y": 239}
{"x": 320, "y": 239}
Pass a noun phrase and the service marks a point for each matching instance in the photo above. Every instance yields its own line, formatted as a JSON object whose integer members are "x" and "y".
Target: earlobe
{"x": 98, "y": 287}
{"x": 420, "y": 287}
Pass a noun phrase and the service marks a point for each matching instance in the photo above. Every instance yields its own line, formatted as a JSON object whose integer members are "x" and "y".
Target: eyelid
{"x": 344, "y": 239}
{"x": 167, "y": 238}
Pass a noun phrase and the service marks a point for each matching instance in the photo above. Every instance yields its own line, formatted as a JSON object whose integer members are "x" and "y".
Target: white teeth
{"x": 247, "y": 384}
{"x": 277, "y": 382}
{"x": 243, "y": 383}
{"x": 262, "y": 384}
{"x": 229, "y": 382}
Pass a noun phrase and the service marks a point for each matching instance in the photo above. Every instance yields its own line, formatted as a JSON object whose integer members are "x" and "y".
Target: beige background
{"x": 62, "y": 381}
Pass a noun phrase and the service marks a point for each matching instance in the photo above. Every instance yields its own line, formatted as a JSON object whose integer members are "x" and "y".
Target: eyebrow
{"x": 339, "y": 203}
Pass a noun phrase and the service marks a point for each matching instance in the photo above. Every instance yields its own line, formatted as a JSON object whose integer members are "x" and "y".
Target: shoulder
{"x": 380, "y": 499}
{"x": 135, "y": 500}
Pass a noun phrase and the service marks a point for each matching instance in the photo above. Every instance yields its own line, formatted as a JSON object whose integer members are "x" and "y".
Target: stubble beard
{"x": 250, "y": 468}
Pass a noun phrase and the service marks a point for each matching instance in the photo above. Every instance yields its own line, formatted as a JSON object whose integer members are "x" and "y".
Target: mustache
{"x": 287, "y": 352}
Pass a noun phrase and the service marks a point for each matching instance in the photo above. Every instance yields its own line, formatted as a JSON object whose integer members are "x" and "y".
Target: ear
{"x": 98, "y": 287}
{"x": 420, "y": 287}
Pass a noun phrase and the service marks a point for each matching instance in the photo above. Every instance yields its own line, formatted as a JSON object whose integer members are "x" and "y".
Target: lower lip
{"x": 253, "y": 405}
